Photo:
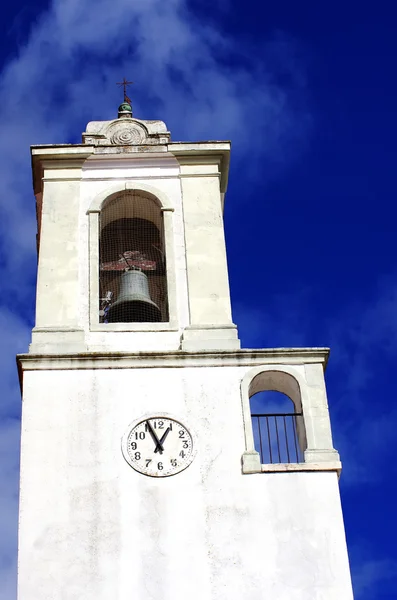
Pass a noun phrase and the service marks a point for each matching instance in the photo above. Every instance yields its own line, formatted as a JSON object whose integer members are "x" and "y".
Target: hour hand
{"x": 159, "y": 445}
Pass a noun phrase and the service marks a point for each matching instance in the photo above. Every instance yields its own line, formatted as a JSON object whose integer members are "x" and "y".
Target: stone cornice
{"x": 76, "y": 154}
{"x": 177, "y": 359}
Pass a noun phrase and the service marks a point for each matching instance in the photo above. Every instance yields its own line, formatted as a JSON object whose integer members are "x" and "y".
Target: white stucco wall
{"x": 93, "y": 528}
{"x": 209, "y": 297}
{"x": 90, "y": 526}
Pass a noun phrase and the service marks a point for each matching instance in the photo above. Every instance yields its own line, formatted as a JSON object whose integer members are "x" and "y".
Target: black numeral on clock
{"x": 157, "y": 425}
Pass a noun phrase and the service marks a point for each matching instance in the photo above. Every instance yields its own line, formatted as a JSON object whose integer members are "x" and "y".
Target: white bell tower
{"x": 145, "y": 472}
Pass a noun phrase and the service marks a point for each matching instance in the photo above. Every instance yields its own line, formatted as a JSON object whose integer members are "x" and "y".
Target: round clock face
{"x": 158, "y": 446}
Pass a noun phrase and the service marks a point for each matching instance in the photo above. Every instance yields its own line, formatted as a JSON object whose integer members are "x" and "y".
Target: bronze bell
{"x": 133, "y": 304}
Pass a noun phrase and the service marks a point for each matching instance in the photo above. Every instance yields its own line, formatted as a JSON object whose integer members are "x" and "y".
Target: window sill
{"x": 251, "y": 464}
{"x": 293, "y": 467}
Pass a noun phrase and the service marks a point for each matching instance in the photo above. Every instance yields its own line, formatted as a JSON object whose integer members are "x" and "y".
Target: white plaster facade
{"x": 226, "y": 527}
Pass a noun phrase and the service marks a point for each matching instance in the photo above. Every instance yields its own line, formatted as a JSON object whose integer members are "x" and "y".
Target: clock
{"x": 158, "y": 446}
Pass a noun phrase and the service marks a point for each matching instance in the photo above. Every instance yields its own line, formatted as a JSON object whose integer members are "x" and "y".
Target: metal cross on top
{"x": 125, "y": 84}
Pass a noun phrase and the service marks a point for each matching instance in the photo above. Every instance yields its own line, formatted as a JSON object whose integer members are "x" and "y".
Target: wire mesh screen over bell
{"x": 132, "y": 261}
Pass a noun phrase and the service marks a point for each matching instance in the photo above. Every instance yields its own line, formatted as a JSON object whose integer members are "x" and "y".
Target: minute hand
{"x": 161, "y": 442}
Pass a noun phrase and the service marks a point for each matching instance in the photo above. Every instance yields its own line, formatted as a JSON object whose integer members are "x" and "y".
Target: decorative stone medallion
{"x": 126, "y": 134}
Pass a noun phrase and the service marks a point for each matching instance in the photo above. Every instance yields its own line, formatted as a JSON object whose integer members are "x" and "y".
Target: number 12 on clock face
{"x": 158, "y": 446}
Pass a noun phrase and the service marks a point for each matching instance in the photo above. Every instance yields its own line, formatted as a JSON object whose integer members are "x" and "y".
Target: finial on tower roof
{"x": 125, "y": 109}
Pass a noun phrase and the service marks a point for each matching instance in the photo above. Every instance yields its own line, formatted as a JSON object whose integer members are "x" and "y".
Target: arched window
{"x": 277, "y": 420}
{"x": 132, "y": 269}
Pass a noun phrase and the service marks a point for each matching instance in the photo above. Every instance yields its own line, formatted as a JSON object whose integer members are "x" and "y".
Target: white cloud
{"x": 9, "y": 467}
{"x": 362, "y": 342}
{"x": 14, "y": 338}
{"x": 65, "y": 75}
{"x": 370, "y": 574}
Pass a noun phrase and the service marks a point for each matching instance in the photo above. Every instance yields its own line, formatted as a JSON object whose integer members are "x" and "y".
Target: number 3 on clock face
{"x": 158, "y": 446}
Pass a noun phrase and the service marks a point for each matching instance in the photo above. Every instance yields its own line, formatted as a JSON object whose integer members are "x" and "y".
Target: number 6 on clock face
{"x": 158, "y": 446}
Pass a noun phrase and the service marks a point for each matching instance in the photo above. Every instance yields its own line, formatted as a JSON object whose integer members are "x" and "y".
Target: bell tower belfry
{"x": 146, "y": 469}
{"x": 141, "y": 213}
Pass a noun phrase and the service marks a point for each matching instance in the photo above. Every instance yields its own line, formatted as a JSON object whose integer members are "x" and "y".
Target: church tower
{"x": 146, "y": 470}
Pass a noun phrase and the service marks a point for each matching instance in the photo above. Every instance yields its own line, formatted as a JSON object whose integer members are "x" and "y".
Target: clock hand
{"x": 159, "y": 445}
{"x": 161, "y": 442}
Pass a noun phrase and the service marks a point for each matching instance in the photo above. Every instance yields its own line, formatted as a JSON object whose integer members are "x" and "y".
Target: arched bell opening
{"x": 277, "y": 418}
{"x": 132, "y": 271}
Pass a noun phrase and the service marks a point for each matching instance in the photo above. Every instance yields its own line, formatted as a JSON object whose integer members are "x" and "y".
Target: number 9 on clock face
{"x": 158, "y": 446}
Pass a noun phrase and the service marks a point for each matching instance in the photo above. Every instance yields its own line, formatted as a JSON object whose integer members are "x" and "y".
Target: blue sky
{"x": 306, "y": 91}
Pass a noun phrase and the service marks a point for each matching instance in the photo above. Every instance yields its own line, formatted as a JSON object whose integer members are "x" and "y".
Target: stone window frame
{"x": 305, "y": 387}
{"x": 93, "y": 216}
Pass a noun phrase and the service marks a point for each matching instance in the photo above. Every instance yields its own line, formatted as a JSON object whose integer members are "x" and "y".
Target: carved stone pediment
{"x": 126, "y": 132}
